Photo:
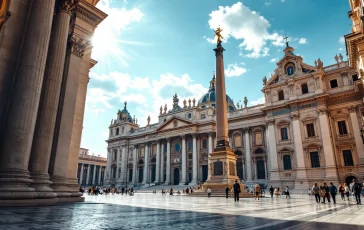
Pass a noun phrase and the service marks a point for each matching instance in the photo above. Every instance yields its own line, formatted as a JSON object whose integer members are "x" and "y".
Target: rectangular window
{"x": 189, "y": 116}
{"x": 315, "y": 160}
{"x": 310, "y": 130}
{"x": 355, "y": 77}
{"x": 190, "y": 146}
{"x": 348, "y": 158}
{"x": 203, "y": 116}
{"x": 287, "y": 162}
{"x": 342, "y": 127}
{"x": 258, "y": 138}
{"x": 333, "y": 84}
{"x": 284, "y": 134}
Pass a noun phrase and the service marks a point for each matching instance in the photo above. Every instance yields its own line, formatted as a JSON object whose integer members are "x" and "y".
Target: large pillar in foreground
{"x": 47, "y": 112}
{"x": 22, "y": 112}
{"x": 223, "y": 160}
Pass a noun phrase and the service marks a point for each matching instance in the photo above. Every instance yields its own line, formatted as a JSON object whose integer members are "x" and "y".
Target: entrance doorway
{"x": 153, "y": 174}
{"x": 204, "y": 173}
{"x": 176, "y": 176}
{"x": 239, "y": 169}
{"x": 140, "y": 175}
{"x": 349, "y": 179}
{"x": 261, "y": 169}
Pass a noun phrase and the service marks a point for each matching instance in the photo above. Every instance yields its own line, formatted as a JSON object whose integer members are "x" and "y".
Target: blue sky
{"x": 147, "y": 50}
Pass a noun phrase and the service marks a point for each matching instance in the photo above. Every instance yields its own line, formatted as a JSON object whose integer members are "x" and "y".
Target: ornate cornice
{"x": 68, "y": 6}
{"x": 88, "y": 16}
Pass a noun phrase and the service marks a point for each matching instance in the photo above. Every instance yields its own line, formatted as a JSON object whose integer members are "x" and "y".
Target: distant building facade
{"x": 91, "y": 169}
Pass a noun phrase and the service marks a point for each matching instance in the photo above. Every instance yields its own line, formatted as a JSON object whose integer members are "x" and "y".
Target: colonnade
{"x": 94, "y": 174}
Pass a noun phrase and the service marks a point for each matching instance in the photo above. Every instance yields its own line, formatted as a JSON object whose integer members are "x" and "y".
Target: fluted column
{"x": 168, "y": 162}
{"x": 124, "y": 161}
{"x": 48, "y": 106}
{"x": 81, "y": 175}
{"x": 194, "y": 160}
{"x": 210, "y": 150}
{"x": 94, "y": 175}
{"x": 99, "y": 177}
{"x": 157, "y": 164}
{"x": 146, "y": 164}
{"x": 162, "y": 164}
{"x": 118, "y": 166}
{"x": 22, "y": 111}
{"x": 184, "y": 161}
{"x": 248, "y": 160}
{"x": 274, "y": 176}
{"x": 301, "y": 173}
{"x": 135, "y": 158}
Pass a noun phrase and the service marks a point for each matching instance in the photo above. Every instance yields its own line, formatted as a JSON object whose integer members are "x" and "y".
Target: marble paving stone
{"x": 154, "y": 211}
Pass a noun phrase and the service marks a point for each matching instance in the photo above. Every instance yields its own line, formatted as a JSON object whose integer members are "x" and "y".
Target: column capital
{"x": 210, "y": 134}
{"x": 352, "y": 108}
{"x": 136, "y": 146}
{"x": 194, "y": 135}
{"x": 68, "y": 6}
{"x": 131, "y": 148}
{"x": 270, "y": 122}
{"x": 77, "y": 45}
{"x": 322, "y": 111}
{"x": 183, "y": 137}
{"x": 295, "y": 117}
{"x": 168, "y": 140}
{"x": 245, "y": 130}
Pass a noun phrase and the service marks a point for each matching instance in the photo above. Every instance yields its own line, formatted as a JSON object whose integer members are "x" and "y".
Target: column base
{"x": 15, "y": 185}
{"x": 28, "y": 202}
{"x": 61, "y": 186}
{"x": 74, "y": 187}
{"x": 182, "y": 183}
{"x": 41, "y": 184}
{"x": 70, "y": 199}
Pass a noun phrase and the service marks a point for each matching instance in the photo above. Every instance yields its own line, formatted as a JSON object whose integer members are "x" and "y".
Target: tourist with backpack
{"x": 356, "y": 189}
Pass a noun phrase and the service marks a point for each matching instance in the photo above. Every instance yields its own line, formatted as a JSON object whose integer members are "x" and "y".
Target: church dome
{"x": 123, "y": 113}
{"x": 209, "y": 98}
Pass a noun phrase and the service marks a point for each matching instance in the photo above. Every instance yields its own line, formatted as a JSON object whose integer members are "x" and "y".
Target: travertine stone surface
{"x": 18, "y": 135}
{"x": 48, "y": 107}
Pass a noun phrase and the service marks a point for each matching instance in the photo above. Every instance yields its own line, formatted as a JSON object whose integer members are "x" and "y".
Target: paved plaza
{"x": 154, "y": 211}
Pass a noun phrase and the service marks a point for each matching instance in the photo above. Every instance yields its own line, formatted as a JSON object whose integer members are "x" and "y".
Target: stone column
{"x": 331, "y": 172}
{"x": 88, "y": 175}
{"x": 162, "y": 164}
{"x": 358, "y": 139}
{"x": 48, "y": 106}
{"x": 17, "y": 135}
{"x": 124, "y": 162}
{"x": 99, "y": 179}
{"x": 146, "y": 164}
{"x": 168, "y": 162}
{"x": 118, "y": 165}
{"x": 265, "y": 169}
{"x": 157, "y": 164}
{"x": 243, "y": 168}
{"x": 274, "y": 174}
{"x": 184, "y": 161}
{"x": 210, "y": 150}
{"x": 194, "y": 160}
{"x": 135, "y": 159}
{"x": 301, "y": 174}
{"x": 94, "y": 175}
{"x": 81, "y": 175}
{"x": 248, "y": 159}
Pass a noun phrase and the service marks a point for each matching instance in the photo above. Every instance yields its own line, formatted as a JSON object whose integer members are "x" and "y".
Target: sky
{"x": 148, "y": 50}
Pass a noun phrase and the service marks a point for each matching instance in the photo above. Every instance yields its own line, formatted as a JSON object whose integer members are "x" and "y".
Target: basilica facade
{"x": 308, "y": 130}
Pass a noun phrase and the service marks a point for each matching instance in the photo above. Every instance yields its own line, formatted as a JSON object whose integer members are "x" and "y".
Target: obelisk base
{"x": 222, "y": 168}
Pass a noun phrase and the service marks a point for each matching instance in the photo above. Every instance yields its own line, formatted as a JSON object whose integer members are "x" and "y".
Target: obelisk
{"x": 222, "y": 161}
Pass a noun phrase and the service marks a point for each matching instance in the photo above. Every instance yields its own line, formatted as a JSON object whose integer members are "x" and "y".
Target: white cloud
{"x": 342, "y": 40}
{"x": 267, "y": 3}
{"x": 303, "y": 41}
{"x": 234, "y": 70}
{"x": 241, "y": 23}
{"x": 98, "y": 95}
{"x": 138, "y": 98}
{"x": 258, "y": 101}
{"x": 273, "y": 59}
{"x": 341, "y": 49}
{"x": 94, "y": 109}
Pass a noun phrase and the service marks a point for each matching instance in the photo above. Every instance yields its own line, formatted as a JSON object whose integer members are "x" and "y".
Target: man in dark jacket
{"x": 356, "y": 190}
{"x": 271, "y": 191}
{"x": 236, "y": 191}
{"x": 327, "y": 192}
{"x": 333, "y": 192}
{"x": 227, "y": 190}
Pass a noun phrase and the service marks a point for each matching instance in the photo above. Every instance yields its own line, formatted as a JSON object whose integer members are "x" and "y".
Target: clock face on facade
{"x": 290, "y": 70}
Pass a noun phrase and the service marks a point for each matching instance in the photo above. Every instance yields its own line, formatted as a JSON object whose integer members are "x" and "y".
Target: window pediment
{"x": 283, "y": 123}
{"x": 309, "y": 118}
{"x": 311, "y": 147}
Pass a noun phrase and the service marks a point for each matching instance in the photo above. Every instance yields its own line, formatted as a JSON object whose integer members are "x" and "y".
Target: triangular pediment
{"x": 174, "y": 123}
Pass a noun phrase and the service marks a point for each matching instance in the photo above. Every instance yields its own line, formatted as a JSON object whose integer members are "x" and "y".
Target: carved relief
{"x": 78, "y": 46}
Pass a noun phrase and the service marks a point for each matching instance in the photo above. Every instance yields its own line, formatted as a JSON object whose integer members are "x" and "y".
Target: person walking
{"x": 342, "y": 192}
{"x": 271, "y": 191}
{"x": 333, "y": 192}
{"x": 208, "y": 192}
{"x": 236, "y": 187}
{"x": 257, "y": 191}
{"x": 347, "y": 191}
{"x": 287, "y": 192}
{"x": 326, "y": 189}
{"x": 227, "y": 190}
{"x": 316, "y": 189}
{"x": 356, "y": 190}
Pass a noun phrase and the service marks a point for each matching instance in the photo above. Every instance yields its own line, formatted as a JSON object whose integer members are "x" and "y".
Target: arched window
{"x": 280, "y": 95}
{"x": 237, "y": 140}
{"x": 117, "y": 131}
{"x": 204, "y": 143}
{"x": 304, "y": 88}
{"x": 258, "y": 151}
{"x": 287, "y": 162}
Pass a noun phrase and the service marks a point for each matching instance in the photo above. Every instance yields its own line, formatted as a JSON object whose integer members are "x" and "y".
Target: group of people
{"x": 276, "y": 191}
{"x": 96, "y": 190}
{"x": 329, "y": 192}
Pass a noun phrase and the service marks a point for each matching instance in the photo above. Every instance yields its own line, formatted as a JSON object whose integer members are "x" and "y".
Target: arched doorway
{"x": 176, "y": 176}
{"x": 349, "y": 179}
